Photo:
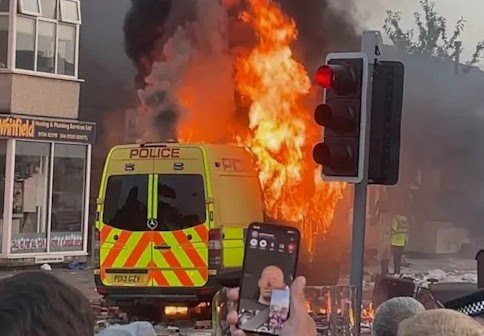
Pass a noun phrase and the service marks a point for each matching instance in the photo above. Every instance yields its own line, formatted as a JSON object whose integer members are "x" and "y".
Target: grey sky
{"x": 373, "y": 12}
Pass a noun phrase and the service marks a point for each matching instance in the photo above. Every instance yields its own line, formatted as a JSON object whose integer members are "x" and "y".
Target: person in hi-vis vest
{"x": 399, "y": 238}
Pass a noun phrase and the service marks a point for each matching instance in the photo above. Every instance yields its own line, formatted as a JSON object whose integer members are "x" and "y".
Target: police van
{"x": 171, "y": 220}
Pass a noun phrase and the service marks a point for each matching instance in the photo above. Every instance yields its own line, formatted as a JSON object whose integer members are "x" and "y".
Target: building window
{"x": 49, "y": 9}
{"x": 66, "y": 58}
{"x": 25, "y": 43}
{"x": 31, "y": 7}
{"x": 48, "y": 41}
{"x": 70, "y": 11}
{"x": 30, "y": 197}
{"x": 3, "y": 41}
{"x": 4, "y": 5}
{"x": 69, "y": 180}
{"x": 46, "y": 47}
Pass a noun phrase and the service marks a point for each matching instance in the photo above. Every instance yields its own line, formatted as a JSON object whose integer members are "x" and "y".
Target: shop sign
{"x": 20, "y": 127}
{"x": 37, "y": 242}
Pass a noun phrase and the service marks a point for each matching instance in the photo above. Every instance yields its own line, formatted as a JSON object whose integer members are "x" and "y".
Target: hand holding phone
{"x": 270, "y": 262}
{"x": 299, "y": 323}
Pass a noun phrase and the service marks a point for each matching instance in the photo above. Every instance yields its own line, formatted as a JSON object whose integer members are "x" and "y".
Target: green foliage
{"x": 431, "y": 37}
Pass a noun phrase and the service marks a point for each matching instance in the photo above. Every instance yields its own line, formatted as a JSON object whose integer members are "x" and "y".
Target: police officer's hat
{"x": 470, "y": 304}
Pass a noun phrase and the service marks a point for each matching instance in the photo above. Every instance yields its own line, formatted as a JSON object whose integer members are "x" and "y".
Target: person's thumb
{"x": 298, "y": 298}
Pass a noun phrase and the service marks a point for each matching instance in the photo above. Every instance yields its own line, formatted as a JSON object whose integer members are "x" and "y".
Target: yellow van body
{"x": 171, "y": 220}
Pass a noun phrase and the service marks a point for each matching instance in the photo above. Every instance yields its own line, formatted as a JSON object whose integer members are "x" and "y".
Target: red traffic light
{"x": 325, "y": 77}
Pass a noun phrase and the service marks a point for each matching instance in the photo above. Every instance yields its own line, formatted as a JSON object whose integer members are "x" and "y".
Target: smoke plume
{"x": 184, "y": 52}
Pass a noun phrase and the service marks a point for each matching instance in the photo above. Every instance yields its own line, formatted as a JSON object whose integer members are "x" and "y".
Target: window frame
{"x": 58, "y": 21}
{"x": 61, "y": 13}
{"x": 56, "y": 43}
{"x": 35, "y": 41}
{"x": 9, "y": 28}
{"x": 6, "y": 245}
{"x": 26, "y": 12}
{"x": 76, "y": 51}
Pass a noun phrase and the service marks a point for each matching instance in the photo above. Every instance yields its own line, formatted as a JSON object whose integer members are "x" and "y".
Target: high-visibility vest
{"x": 399, "y": 231}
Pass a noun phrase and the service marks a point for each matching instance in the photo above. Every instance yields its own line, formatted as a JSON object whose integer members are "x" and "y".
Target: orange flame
{"x": 281, "y": 131}
{"x": 171, "y": 310}
{"x": 368, "y": 313}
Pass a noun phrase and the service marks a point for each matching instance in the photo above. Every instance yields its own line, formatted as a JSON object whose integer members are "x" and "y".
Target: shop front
{"x": 44, "y": 189}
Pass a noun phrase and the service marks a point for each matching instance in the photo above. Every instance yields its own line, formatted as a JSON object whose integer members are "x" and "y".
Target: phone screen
{"x": 269, "y": 266}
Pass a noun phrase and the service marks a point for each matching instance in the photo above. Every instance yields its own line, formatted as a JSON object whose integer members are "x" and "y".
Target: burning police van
{"x": 171, "y": 220}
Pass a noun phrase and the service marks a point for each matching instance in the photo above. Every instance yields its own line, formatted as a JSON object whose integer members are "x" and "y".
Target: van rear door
{"x": 125, "y": 239}
{"x": 180, "y": 240}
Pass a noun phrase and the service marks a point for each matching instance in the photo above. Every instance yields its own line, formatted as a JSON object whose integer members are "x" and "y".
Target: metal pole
{"x": 371, "y": 44}
{"x": 358, "y": 246}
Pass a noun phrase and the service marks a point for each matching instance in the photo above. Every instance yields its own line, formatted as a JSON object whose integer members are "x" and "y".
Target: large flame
{"x": 281, "y": 131}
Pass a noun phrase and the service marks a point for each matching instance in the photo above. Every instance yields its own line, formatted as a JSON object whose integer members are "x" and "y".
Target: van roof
{"x": 218, "y": 147}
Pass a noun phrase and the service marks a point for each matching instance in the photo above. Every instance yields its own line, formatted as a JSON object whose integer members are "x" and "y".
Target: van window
{"x": 181, "y": 201}
{"x": 125, "y": 203}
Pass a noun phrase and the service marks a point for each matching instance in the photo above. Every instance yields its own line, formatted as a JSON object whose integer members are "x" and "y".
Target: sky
{"x": 372, "y": 14}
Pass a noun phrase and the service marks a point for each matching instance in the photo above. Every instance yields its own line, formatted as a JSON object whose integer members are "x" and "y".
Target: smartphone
{"x": 270, "y": 262}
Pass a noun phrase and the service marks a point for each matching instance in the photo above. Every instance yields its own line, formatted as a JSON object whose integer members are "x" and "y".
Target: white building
{"x": 45, "y": 150}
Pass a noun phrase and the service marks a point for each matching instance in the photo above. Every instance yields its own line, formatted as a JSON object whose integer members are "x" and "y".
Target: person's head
{"x": 479, "y": 319}
{"x": 39, "y": 304}
{"x": 440, "y": 322}
{"x": 271, "y": 278}
{"x": 390, "y": 313}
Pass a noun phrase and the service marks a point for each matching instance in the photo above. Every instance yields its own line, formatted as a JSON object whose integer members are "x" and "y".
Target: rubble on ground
{"x": 438, "y": 275}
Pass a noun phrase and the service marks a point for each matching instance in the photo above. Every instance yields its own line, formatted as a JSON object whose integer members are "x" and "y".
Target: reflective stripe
{"x": 186, "y": 261}
{"x": 142, "y": 245}
{"x": 150, "y": 197}
{"x": 155, "y": 197}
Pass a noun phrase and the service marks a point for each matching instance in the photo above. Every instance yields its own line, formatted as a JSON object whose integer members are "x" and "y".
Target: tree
{"x": 432, "y": 34}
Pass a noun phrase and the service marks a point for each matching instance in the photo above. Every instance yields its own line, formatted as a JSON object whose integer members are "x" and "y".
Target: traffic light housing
{"x": 345, "y": 78}
{"x": 386, "y": 116}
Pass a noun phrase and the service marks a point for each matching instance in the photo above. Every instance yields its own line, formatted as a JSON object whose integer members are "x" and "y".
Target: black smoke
{"x": 144, "y": 25}
{"x": 322, "y": 27}
{"x": 147, "y": 27}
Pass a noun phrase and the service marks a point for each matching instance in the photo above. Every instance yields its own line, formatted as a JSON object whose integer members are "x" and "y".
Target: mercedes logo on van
{"x": 152, "y": 224}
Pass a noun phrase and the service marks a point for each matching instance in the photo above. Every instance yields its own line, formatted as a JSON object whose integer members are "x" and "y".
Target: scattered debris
{"x": 132, "y": 329}
{"x": 46, "y": 267}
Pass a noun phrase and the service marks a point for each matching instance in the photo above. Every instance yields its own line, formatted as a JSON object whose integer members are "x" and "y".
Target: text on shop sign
{"x": 30, "y": 128}
{"x": 36, "y": 242}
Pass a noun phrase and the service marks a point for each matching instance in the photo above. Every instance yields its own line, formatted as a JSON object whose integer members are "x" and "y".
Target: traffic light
{"x": 345, "y": 78}
{"x": 386, "y": 116}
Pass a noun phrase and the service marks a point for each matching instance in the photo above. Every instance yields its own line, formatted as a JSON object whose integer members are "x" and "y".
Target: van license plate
{"x": 127, "y": 279}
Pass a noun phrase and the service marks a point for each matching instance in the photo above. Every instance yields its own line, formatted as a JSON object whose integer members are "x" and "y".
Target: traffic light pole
{"x": 371, "y": 45}
{"x": 358, "y": 246}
